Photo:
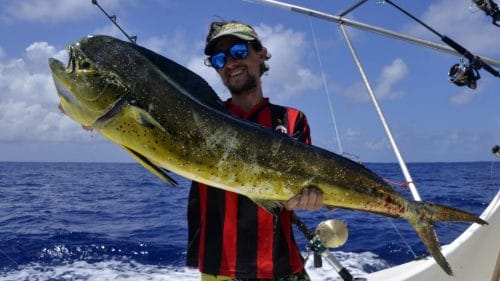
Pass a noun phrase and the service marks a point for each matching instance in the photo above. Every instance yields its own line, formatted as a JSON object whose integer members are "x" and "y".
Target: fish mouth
{"x": 57, "y": 66}
{"x": 72, "y": 60}
{"x": 63, "y": 74}
{"x": 58, "y": 71}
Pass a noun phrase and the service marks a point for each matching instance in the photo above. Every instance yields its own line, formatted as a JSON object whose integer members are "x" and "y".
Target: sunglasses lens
{"x": 239, "y": 51}
{"x": 218, "y": 60}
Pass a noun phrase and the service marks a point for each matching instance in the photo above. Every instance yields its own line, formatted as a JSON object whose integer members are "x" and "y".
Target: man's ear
{"x": 263, "y": 53}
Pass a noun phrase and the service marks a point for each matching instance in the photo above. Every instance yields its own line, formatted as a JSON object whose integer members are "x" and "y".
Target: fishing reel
{"x": 462, "y": 74}
{"x": 332, "y": 233}
{"x": 496, "y": 150}
{"x": 490, "y": 8}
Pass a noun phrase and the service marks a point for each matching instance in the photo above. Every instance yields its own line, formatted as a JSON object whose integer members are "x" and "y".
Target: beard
{"x": 241, "y": 87}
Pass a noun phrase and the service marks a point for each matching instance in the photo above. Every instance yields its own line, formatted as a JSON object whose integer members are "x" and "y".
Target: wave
{"x": 126, "y": 269}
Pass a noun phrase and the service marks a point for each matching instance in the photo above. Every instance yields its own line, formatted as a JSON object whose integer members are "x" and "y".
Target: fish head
{"x": 89, "y": 86}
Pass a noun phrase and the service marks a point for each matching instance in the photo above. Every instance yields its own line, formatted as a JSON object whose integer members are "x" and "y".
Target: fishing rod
{"x": 366, "y": 27}
{"x": 320, "y": 250}
{"x": 460, "y": 74}
{"x": 112, "y": 18}
{"x": 490, "y": 8}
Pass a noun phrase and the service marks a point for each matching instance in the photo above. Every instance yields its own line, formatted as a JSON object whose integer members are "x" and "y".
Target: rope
{"x": 402, "y": 238}
{"x": 403, "y": 185}
{"x": 332, "y": 114}
{"x": 399, "y": 184}
{"x": 11, "y": 259}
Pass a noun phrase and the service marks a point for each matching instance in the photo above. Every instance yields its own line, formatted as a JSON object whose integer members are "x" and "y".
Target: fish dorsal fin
{"x": 146, "y": 163}
{"x": 196, "y": 86}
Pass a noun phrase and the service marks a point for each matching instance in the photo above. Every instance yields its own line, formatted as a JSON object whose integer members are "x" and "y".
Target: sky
{"x": 432, "y": 119}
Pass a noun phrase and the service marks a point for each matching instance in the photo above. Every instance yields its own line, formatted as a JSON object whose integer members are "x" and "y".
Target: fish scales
{"x": 168, "y": 118}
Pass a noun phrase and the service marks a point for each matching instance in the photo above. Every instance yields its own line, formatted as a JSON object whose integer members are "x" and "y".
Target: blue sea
{"x": 116, "y": 221}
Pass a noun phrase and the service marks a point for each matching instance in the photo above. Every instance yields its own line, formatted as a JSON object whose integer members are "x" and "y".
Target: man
{"x": 230, "y": 237}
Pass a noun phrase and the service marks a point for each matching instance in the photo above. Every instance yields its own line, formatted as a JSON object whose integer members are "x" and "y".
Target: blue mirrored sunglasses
{"x": 238, "y": 51}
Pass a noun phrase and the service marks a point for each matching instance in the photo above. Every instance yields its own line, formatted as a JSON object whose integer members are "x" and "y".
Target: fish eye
{"x": 84, "y": 65}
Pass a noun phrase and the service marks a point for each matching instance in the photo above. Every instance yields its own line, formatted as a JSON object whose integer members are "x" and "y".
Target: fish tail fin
{"x": 446, "y": 213}
{"x": 423, "y": 216}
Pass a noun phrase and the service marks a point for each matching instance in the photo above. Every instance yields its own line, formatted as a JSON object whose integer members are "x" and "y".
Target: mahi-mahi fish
{"x": 169, "y": 119}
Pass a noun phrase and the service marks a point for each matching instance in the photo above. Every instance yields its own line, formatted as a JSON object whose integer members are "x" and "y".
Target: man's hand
{"x": 310, "y": 199}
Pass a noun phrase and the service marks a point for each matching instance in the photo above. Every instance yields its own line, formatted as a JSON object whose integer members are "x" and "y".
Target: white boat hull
{"x": 473, "y": 256}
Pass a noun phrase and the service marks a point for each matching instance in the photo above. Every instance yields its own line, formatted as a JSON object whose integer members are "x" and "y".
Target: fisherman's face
{"x": 240, "y": 75}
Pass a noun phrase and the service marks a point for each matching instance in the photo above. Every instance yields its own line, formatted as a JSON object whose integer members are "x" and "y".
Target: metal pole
{"x": 475, "y": 61}
{"x": 402, "y": 164}
{"x": 370, "y": 28}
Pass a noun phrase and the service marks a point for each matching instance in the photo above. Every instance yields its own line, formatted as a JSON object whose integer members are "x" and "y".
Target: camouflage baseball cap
{"x": 232, "y": 28}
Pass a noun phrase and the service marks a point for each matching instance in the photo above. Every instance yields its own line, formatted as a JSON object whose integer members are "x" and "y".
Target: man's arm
{"x": 311, "y": 198}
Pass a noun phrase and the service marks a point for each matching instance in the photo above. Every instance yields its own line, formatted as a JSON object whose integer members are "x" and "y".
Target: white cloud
{"x": 389, "y": 76}
{"x": 454, "y": 19}
{"x": 51, "y": 10}
{"x": 196, "y": 64}
{"x": 463, "y": 97}
{"x": 21, "y": 120}
{"x": 351, "y": 134}
{"x": 356, "y": 92}
{"x": 471, "y": 140}
{"x": 37, "y": 54}
{"x": 377, "y": 144}
{"x": 175, "y": 46}
{"x": 188, "y": 54}
{"x": 111, "y": 30}
{"x": 28, "y": 104}
{"x": 288, "y": 76}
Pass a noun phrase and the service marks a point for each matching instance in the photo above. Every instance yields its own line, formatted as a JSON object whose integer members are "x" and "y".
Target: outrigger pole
{"x": 314, "y": 243}
{"x": 341, "y": 21}
{"x": 402, "y": 164}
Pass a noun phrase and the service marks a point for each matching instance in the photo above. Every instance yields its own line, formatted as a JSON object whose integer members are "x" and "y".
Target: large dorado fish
{"x": 168, "y": 118}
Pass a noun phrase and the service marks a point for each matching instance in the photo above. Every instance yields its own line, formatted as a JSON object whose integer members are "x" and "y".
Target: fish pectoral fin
{"x": 271, "y": 206}
{"x": 145, "y": 119}
{"x": 146, "y": 163}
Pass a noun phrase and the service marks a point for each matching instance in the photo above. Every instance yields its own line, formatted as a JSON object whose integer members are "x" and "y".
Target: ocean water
{"x": 116, "y": 221}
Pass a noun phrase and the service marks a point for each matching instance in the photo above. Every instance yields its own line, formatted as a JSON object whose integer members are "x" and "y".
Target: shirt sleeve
{"x": 301, "y": 129}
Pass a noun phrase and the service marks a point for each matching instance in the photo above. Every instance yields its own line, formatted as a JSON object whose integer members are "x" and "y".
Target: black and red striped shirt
{"x": 229, "y": 234}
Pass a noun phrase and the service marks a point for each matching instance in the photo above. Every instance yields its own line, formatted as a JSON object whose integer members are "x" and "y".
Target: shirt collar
{"x": 240, "y": 112}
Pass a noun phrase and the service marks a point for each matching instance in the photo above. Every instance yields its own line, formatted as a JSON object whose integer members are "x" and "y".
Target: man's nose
{"x": 230, "y": 61}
